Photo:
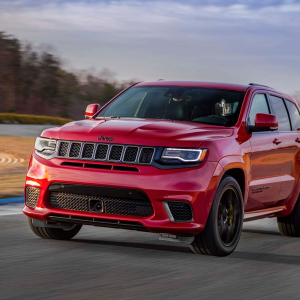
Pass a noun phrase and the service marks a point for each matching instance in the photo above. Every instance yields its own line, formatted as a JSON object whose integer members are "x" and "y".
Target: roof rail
{"x": 256, "y": 84}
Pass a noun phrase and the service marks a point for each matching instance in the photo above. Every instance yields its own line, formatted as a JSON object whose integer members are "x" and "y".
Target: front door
{"x": 266, "y": 161}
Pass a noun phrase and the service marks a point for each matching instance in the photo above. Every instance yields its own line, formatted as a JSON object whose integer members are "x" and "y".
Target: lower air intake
{"x": 32, "y": 196}
{"x": 116, "y": 206}
{"x": 180, "y": 211}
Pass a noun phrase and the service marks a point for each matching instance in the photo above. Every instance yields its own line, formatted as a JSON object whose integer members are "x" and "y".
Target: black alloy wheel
{"x": 225, "y": 221}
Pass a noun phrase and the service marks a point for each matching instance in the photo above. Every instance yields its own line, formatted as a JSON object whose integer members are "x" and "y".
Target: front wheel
{"x": 225, "y": 221}
{"x": 54, "y": 233}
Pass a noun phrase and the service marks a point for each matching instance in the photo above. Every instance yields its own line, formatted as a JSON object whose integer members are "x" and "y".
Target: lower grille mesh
{"x": 117, "y": 206}
{"x": 181, "y": 211}
{"x": 32, "y": 196}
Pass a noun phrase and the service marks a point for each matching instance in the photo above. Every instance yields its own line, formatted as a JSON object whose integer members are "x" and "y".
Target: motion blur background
{"x": 58, "y": 56}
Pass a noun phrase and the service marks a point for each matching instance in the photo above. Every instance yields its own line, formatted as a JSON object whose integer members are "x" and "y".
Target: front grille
{"x": 75, "y": 149}
{"x": 181, "y": 211}
{"x": 116, "y": 206}
{"x": 131, "y": 154}
{"x": 88, "y": 151}
{"x": 101, "y": 152}
{"x": 32, "y": 196}
{"x": 63, "y": 149}
{"x": 146, "y": 155}
{"x": 106, "y": 152}
{"x": 115, "y": 152}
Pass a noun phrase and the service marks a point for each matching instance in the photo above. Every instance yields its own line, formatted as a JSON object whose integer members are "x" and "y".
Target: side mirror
{"x": 91, "y": 110}
{"x": 264, "y": 122}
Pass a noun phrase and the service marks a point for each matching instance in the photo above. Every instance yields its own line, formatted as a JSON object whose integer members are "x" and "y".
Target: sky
{"x": 237, "y": 41}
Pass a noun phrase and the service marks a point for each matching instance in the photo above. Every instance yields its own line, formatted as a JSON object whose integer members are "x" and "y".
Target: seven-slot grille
{"x": 116, "y": 206}
{"x": 106, "y": 152}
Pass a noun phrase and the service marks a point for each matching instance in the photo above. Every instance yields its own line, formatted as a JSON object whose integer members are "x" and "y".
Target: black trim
{"x": 289, "y": 112}
{"x": 93, "y": 190}
{"x": 98, "y": 222}
{"x": 257, "y": 84}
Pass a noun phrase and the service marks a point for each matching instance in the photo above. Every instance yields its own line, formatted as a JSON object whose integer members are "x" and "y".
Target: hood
{"x": 144, "y": 132}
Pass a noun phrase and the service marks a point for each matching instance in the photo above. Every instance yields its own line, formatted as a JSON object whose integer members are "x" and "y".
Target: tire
{"x": 290, "y": 225}
{"x": 54, "y": 233}
{"x": 225, "y": 221}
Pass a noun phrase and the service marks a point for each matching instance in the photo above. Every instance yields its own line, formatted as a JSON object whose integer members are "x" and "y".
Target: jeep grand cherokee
{"x": 190, "y": 161}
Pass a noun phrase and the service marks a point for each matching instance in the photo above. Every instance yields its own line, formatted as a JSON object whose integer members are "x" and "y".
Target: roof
{"x": 213, "y": 85}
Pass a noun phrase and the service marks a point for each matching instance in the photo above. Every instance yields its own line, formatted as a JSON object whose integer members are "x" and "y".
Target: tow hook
{"x": 185, "y": 239}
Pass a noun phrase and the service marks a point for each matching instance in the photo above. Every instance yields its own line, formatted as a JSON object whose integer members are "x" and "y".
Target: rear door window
{"x": 259, "y": 106}
{"x": 281, "y": 113}
{"x": 294, "y": 114}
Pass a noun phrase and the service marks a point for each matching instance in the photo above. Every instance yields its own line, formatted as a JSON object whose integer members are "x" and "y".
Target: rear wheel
{"x": 290, "y": 225}
{"x": 224, "y": 224}
{"x": 54, "y": 233}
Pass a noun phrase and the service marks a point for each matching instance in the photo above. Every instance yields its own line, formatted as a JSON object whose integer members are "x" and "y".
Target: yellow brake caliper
{"x": 230, "y": 214}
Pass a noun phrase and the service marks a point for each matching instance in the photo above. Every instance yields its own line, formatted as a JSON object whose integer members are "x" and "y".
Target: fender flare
{"x": 228, "y": 163}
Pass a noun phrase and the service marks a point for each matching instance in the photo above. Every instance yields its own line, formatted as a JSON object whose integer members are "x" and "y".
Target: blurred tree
{"x": 10, "y": 60}
{"x": 33, "y": 81}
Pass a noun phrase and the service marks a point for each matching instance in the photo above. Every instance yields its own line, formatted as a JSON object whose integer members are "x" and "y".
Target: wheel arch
{"x": 239, "y": 175}
{"x": 236, "y": 167}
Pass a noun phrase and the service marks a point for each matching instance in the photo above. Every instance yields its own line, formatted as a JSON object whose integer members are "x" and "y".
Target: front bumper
{"x": 193, "y": 185}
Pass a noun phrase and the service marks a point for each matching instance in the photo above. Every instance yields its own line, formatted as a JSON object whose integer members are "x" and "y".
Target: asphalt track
{"x": 7, "y": 159}
{"x": 103, "y": 263}
{"x": 23, "y": 129}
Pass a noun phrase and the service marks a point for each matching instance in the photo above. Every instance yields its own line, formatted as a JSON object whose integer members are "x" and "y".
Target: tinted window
{"x": 259, "y": 105}
{"x": 294, "y": 114}
{"x": 281, "y": 113}
{"x": 181, "y": 103}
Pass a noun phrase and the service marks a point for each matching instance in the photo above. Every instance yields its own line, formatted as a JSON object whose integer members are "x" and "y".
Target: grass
{"x": 12, "y": 178}
{"x": 31, "y": 119}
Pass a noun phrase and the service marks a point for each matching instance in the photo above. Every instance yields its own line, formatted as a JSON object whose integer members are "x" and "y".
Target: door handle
{"x": 297, "y": 140}
{"x": 278, "y": 141}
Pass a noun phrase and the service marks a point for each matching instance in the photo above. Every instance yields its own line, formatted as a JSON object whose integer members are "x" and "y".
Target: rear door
{"x": 291, "y": 142}
{"x": 266, "y": 160}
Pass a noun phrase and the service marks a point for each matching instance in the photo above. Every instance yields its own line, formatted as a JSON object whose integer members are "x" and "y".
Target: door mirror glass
{"x": 264, "y": 122}
{"x": 91, "y": 110}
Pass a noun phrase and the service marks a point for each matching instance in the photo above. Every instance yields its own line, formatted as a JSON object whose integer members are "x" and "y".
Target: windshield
{"x": 193, "y": 104}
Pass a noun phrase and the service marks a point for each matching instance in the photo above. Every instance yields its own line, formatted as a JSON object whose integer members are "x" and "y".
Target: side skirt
{"x": 263, "y": 213}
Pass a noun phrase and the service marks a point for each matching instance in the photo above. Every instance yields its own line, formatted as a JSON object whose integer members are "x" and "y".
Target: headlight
{"x": 184, "y": 155}
{"x": 45, "y": 147}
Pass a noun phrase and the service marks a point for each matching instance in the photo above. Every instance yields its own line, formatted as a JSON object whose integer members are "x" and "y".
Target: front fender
{"x": 225, "y": 165}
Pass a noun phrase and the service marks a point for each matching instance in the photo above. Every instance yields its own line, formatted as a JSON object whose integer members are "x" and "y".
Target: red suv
{"x": 188, "y": 160}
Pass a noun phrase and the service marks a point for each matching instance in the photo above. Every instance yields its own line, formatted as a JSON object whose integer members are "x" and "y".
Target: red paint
{"x": 91, "y": 110}
{"x": 264, "y": 164}
{"x": 265, "y": 120}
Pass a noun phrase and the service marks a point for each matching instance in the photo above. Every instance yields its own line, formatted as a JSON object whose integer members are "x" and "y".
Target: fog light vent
{"x": 32, "y": 196}
{"x": 178, "y": 211}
